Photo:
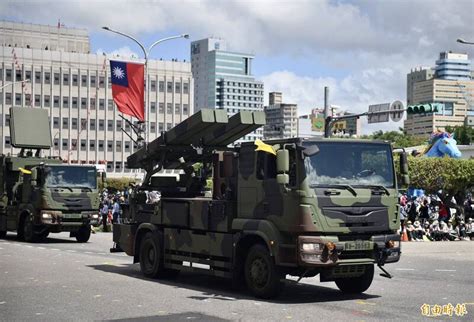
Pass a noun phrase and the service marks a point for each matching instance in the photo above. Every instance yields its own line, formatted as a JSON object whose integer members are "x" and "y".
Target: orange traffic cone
{"x": 404, "y": 235}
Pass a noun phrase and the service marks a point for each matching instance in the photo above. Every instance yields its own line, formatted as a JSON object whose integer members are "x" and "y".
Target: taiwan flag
{"x": 128, "y": 88}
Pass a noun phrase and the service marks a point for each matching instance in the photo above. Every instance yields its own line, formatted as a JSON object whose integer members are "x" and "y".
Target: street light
{"x": 462, "y": 41}
{"x": 13, "y": 83}
{"x": 146, "y": 52}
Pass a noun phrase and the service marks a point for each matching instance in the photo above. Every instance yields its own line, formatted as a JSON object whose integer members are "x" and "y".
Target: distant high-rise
{"x": 450, "y": 84}
{"x": 223, "y": 79}
{"x": 282, "y": 119}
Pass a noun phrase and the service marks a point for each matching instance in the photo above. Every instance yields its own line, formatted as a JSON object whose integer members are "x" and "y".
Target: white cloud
{"x": 123, "y": 52}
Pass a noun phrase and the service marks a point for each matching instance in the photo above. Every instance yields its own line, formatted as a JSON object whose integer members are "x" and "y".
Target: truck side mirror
{"x": 311, "y": 150}
{"x": 283, "y": 161}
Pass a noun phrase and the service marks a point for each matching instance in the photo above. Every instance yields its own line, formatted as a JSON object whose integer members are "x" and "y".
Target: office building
{"x": 450, "y": 84}
{"x": 282, "y": 118}
{"x": 74, "y": 86}
{"x": 223, "y": 79}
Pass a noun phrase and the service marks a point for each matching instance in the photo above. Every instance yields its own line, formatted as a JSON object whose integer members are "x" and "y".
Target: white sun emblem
{"x": 119, "y": 73}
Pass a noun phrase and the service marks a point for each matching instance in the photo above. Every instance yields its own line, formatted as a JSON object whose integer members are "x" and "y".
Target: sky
{"x": 362, "y": 50}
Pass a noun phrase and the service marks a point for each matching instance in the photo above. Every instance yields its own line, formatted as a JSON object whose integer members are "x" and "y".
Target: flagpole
{"x": 146, "y": 54}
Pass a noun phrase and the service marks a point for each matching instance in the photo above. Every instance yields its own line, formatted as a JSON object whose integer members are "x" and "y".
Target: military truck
{"x": 41, "y": 195}
{"x": 296, "y": 206}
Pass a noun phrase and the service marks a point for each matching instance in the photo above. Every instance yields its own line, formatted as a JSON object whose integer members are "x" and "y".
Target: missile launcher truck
{"x": 41, "y": 195}
{"x": 295, "y": 206}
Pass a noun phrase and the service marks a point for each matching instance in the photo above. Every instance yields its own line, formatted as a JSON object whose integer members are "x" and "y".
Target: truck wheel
{"x": 261, "y": 274}
{"x": 150, "y": 256}
{"x": 28, "y": 229}
{"x": 83, "y": 234}
{"x": 357, "y": 284}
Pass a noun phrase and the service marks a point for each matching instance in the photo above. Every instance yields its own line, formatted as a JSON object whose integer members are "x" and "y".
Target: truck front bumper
{"x": 56, "y": 221}
{"x": 323, "y": 251}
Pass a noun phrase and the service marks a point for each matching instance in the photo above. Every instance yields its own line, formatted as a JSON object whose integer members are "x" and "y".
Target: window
{"x": 160, "y": 127}
{"x": 7, "y": 142}
{"x": 37, "y": 100}
{"x": 153, "y": 127}
{"x": 176, "y": 108}
{"x": 83, "y": 124}
{"x": 74, "y": 123}
{"x": 110, "y": 105}
{"x": 118, "y": 146}
{"x": 56, "y": 101}
{"x": 185, "y": 109}
{"x": 55, "y": 122}
{"x": 83, "y": 103}
{"x": 37, "y": 77}
{"x": 168, "y": 126}
{"x": 127, "y": 146}
{"x": 65, "y": 144}
{"x": 65, "y": 79}
{"x": 101, "y": 145}
{"x": 153, "y": 86}
{"x": 47, "y": 78}
{"x": 8, "y": 98}
{"x": 101, "y": 125}
{"x": 161, "y": 108}
{"x": 93, "y": 81}
{"x": 18, "y": 75}
{"x": 185, "y": 88}
{"x": 18, "y": 99}
{"x": 118, "y": 166}
{"x": 92, "y": 124}
{"x": 110, "y": 146}
{"x": 74, "y": 144}
{"x": 65, "y": 123}
{"x": 161, "y": 86}
{"x": 177, "y": 87}
{"x": 65, "y": 101}
{"x": 56, "y": 78}
{"x": 83, "y": 80}
{"x": 47, "y": 101}
{"x": 101, "y": 104}
{"x": 169, "y": 108}
{"x": 91, "y": 145}
{"x": 74, "y": 102}
{"x": 8, "y": 75}
{"x": 101, "y": 81}
{"x": 119, "y": 125}
{"x": 56, "y": 144}
{"x": 109, "y": 82}
{"x": 110, "y": 125}
{"x": 169, "y": 87}
{"x": 27, "y": 99}
{"x": 7, "y": 119}
{"x": 92, "y": 103}
{"x": 75, "y": 79}
{"x": 83, "y": 144}
{"x": 153, "y": 107}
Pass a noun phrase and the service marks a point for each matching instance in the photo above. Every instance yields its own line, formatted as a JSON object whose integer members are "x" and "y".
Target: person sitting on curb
{"x": 418, "y": 232}
{"x": 427, "y": 232}
{"x": 410, "y": 231}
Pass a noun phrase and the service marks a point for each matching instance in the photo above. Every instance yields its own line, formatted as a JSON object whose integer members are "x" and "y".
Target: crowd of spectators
{"x": 110, "y": 209}
{"x": 428, "y": 218}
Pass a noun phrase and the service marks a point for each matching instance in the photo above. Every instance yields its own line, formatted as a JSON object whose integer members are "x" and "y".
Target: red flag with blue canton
{"x": 128, "y": 88}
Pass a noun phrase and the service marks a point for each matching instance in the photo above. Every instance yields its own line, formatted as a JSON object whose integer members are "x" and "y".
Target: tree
{"x": 464, "y": 135}
{"x": 399, "y": 139}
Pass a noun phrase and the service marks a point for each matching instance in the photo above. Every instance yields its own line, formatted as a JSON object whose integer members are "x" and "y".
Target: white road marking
{"x": 404, "y": 269}
{"x": 445, "y": 270}
{"x": 88, "y": 252}
{"x": 54, "y": 248}
{"x": 41, "y": 248}
{"x": 3, "y": 302}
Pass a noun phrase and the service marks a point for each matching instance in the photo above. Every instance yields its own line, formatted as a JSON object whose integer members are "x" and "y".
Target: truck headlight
{"x": 46, "y": 216}
{"x": 95, "y": 216}
{"x": 392, "y": 244}
{"x": 312, "y": 247}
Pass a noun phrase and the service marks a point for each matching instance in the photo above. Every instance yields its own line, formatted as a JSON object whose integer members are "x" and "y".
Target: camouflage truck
{"x": 40, "y": 195}
{"x": 299, "y": 207}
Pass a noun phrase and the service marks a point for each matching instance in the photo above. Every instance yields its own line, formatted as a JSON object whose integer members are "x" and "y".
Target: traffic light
{"x": 424, "y": 108}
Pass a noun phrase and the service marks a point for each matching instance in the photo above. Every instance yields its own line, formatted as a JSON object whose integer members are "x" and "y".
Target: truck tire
{"x": 356, "y": 284}
{"x": 151, "y": 256}
{"x": 83, "y": 234}
{"x": 261, "y": 274}
{"x": 28, "y": 229}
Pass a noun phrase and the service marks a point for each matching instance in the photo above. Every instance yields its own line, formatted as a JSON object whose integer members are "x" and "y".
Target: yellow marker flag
{"x": 24, "y": 171}
{"x": 264, "y": 147}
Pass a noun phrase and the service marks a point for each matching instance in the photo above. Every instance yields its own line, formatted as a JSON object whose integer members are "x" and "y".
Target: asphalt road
{"x": 61, "y": 280}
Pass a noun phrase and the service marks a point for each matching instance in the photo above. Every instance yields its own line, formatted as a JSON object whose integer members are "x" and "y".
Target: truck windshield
{"x": 354, "y": 164}
{"x": 70, "y": 177}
